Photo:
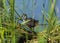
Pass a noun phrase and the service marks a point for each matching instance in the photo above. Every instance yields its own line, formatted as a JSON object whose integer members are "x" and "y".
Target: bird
{"x": 32, "y": 23}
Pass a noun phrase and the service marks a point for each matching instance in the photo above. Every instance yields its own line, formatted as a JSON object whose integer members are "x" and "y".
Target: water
{"x": 35, "y": 8}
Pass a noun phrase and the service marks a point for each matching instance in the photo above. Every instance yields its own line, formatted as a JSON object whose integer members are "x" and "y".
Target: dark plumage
{"x": 32, "y": 23}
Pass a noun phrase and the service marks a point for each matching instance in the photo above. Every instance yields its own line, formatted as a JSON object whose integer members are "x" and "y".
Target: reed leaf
{"x": 12, "y": 11}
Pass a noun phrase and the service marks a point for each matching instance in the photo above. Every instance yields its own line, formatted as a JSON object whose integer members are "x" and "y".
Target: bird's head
{"x": 24, "y": 17}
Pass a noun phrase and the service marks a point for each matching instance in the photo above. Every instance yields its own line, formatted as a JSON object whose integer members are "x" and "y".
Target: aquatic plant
{"x": 53, "y": 24}
{"x": 10, "y": 23}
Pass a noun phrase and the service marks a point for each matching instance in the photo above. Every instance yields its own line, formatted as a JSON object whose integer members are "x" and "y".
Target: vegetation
{"x": 51, "y": 31}
{"x": 11, "y": 31}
